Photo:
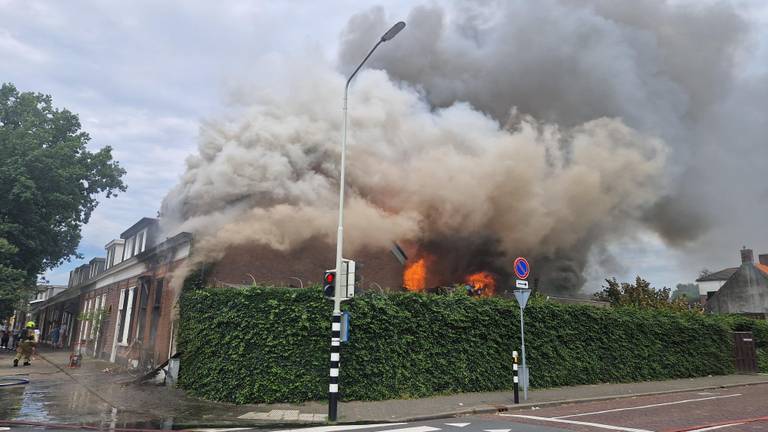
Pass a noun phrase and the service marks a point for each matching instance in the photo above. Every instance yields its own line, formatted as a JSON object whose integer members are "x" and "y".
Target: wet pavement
{"x": 96, "y": 395}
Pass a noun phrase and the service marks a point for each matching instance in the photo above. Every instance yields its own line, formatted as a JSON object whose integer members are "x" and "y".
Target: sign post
{"x": 522, "y": 293}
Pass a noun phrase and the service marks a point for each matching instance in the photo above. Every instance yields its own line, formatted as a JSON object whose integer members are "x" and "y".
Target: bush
{"x": 263, "y": 344}
{"x": 759, "y": 329}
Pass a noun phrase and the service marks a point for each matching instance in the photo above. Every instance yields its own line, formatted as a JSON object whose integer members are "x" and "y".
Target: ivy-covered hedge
{"x": 272, "y": 345}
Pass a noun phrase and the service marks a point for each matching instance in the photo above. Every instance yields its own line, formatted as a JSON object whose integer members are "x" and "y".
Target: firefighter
{"x": 27, "y": 346}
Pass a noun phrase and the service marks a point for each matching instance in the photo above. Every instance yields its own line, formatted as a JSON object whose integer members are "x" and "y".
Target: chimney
{"x": 763, "y": 258}
{"x": 747, "y": 257}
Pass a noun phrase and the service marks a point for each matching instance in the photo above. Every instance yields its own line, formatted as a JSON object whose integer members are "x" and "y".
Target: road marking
{"x": 342, "y": 428}
{"x": 557, "y": 420}
{"x": 413, "y": 429}
{"x": 716, "y": 427}
{"x": 713, "y": 426}
{"x": 458, "y": 424}
{"x": 205, "y": 429}
{"x": 648, "y": 406}
{"x": 496, "y": 430}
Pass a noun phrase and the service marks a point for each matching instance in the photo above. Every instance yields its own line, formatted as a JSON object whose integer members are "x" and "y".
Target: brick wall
{"x": 307, "y": 262}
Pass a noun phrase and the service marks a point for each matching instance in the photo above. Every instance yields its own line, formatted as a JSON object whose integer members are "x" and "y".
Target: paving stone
{"x": 255, "y": 415}
{"x": 291, "y": 415}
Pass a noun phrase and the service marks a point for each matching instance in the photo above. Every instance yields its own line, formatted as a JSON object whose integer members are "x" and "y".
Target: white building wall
{"x": 705, "y": 287}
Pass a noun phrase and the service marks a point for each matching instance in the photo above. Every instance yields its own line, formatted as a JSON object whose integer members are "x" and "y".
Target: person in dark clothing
{"x": 4, "y": 339}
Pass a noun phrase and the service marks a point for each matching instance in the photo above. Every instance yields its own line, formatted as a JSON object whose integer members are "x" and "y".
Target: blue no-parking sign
{"x": 522, "y": 268}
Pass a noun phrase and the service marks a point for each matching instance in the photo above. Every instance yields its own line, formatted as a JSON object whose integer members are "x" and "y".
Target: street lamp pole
{"x": 333, "y": 388}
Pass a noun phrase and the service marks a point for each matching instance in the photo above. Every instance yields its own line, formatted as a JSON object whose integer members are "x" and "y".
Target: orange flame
{"x": 415, "y": 275}
{"x": 482, "y": 283}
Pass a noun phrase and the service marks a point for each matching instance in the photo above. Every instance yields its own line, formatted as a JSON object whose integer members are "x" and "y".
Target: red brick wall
{"x": 307, "y": 262}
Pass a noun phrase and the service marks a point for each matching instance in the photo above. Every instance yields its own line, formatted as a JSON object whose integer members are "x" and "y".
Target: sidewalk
{"x": 89, "y": 395}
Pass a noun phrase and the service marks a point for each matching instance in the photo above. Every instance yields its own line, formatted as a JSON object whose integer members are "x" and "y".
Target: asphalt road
{"x": 729, "y": 410}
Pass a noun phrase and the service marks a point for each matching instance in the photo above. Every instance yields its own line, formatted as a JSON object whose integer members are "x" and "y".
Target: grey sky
{"x": 142, "y": 75}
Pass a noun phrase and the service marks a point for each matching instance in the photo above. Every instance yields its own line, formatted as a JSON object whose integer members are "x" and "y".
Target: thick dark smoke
{"x": 547, "y": 128}
{"x": 669, "y": 70}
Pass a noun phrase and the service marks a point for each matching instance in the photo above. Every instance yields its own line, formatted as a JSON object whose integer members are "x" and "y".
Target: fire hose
{"x": 8, "y": 381}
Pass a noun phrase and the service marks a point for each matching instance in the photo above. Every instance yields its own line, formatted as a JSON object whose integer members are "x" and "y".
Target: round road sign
{"x": 522, "y": 269}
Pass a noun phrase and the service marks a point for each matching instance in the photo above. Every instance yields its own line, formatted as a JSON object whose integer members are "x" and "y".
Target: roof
{"x": 746, "y": 291}
{"x": 721, "y": 275}
{"x": 763, "y": 268}
{"x": 138, "y": 226}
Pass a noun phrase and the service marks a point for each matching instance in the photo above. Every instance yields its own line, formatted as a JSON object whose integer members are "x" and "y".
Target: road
{"x": 729, "y": 410}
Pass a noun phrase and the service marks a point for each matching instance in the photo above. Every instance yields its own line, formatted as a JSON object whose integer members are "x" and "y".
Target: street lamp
{"x": 336, "y": 319}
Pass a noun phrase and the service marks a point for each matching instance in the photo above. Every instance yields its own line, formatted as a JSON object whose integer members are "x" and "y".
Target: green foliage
{"x": 687, "y": 292}
{"x": 49, "y": 184}
{"x": 759, "y": 329}
{"x": 263, "y": 344}
{"x": 13, "y": 282}
{"x": 640, "y": 294}
{"x": 196, "y": 279}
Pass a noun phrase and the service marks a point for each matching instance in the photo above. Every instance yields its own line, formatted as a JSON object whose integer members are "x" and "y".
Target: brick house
{"x": 124, "y": 307}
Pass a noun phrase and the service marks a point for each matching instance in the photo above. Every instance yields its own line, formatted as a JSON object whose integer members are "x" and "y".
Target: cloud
{"x": 10, "y": 47}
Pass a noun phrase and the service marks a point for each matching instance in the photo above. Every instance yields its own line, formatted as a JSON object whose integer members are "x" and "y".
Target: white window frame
{"x": 141, "y": 241}
{"x": 128, "y": 250}
{"x": 110, "y": 256}
{"x": 128, "y": 308}
{"x": 84, "y": 326}
{"x": 96, "y": 306}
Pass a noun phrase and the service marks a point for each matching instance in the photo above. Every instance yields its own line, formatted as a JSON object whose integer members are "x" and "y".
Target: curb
{"x": 489, "y": 409}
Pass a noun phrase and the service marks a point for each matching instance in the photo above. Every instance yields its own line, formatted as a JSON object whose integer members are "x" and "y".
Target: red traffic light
{"x": 329, "y": 277}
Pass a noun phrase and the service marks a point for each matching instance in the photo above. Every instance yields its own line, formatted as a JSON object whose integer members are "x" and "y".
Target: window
{"x": 126, "y": 310}
{"x": 142, "y": 316}
{"x": 84, "y": 324}
{"x": 158, "y": 301}
{"x": 110, "y": 257}
{"x": 97, "y": 307}
{"x": 128, "y": 248}
{"x": 140, "y": 240}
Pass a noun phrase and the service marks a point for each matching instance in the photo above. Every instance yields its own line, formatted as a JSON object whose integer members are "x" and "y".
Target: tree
{"x": 640, "y": 294}
{"x": 49, "y": 185}
{"x": 704, "y": 273}
{"x": 689, "y": 292}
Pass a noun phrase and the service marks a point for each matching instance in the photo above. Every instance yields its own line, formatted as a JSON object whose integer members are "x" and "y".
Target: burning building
{"x": 474, "y": 138}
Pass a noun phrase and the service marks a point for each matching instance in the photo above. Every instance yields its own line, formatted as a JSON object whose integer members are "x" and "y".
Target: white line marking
{"x": 339, "y": 428}
{"x": 413, "y": 429}
{"x": 195, "y": 430}
{"x": 647, "y": 406}
{"x": 496, "y": 430}
{"x": 597, "y": 425}
{"x": 715, "y": 427}
{"x": 458, "y": 424}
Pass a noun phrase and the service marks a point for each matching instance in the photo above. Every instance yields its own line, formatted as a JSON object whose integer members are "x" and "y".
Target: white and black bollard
{"x": 516, "y": 378}
{"x": 333, "y": 386}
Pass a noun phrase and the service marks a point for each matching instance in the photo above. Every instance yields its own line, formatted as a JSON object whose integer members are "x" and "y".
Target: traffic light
{"x": 329, "y": 283}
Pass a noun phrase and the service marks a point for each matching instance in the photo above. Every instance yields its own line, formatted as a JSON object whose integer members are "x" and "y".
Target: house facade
{"x": 745, "y": 291}
{"x": 121, "y": 307}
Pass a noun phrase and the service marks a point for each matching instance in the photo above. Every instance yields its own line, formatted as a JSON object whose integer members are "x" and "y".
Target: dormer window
{"x": 141, "y": 240}
{"x": 128, "y": 248}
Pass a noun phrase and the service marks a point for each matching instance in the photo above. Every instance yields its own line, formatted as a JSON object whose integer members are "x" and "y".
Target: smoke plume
{"x": 484, "y": 131}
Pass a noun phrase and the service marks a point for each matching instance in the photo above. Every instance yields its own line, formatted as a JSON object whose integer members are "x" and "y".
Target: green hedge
{"x": 272, "y": 345}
